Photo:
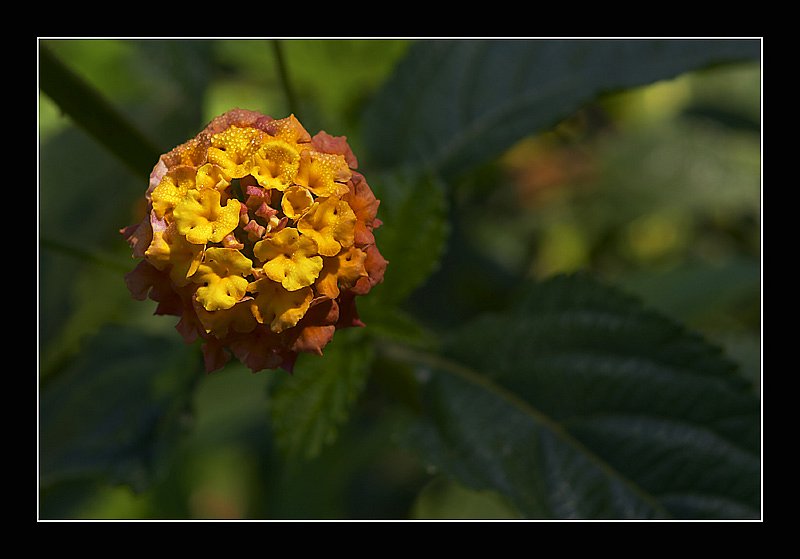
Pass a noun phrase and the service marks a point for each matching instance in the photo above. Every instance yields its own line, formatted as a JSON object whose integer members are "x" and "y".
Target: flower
{"x": 259, "y": 237}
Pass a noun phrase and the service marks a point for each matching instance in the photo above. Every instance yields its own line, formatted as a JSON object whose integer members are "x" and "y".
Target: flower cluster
{"x": 259, "y": 237}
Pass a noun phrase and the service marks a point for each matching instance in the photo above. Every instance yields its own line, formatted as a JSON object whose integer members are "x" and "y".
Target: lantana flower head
{"x": 259, "y": 237}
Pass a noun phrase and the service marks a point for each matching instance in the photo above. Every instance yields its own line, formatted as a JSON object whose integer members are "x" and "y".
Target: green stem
{"x": 90, "y": 110}
{"x": 283, "y": 74}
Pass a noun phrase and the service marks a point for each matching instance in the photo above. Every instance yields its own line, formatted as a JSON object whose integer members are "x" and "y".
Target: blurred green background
{"x": 657, "y": 189}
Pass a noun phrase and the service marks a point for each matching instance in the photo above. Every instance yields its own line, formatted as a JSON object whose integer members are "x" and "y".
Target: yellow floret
{"x": 201, "y": 218}
{"x": 232, "y": 150}
{"x": 324, "y": 174}
{"x": 221, "y": 276}
{"x": 289, "y": 258}
{"x": 277, "y": 307}
{"x": 275, "y": 165}
{"x": 172, "y": 189}
{"x": 331, "y": 223}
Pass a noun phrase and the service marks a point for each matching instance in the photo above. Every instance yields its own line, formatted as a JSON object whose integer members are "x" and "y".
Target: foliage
{"x": 568, "y": 326}
{"x": 588, "y": 406}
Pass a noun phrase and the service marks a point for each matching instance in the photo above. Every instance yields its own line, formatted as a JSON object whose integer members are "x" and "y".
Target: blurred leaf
{"x": 86, "y": 194}
{"x": 82, "y": 256}
{"x": 90, "y": 499}
{"x": 333, "y": 78}
{"x": 444, "y": 499}
{"x": 95, "y": 296}
{"x": 746, "y": 350}
{"x": 697, "y": 293}
{"x": 182, "y": 71}
{"x": 582, "y": 404}
{"x": 391, "y": 323}
{"x": 78, "y": 205}
{"x": 684, "y": 165}
{"x": 363, "y": 476}
{"x": 95, "y": 114}
{"x": 452, "y": 105}
{"x": 309, "y": 407}
{"x": 116, "y": 410}
{"x": 414, "y": 231}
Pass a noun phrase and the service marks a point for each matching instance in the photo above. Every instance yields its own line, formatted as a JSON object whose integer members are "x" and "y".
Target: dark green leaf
{"x": 582, "y": 404}
{"x": 452, "y": 105}
{"x": 414, "y": 231}
{"x": 388, "y": 322}
{"x": 115, "y": 411}
{"x": 310, "y": 406}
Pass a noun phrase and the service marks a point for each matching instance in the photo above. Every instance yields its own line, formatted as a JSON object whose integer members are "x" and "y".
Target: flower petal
{"x": 277, "y": 307}
{"x": 331, "y": 223}
{"x": 289, "y": 130}
{"x": 296, "y": 200}
{"x": 260, "y": 349}
{"x": 201, "y": 218}
{"x": 192, "y": 153}
{"x": 214, "y": 355}
{"x": 275, "y": 164}
{"x": 375, "y": 265}
{"x": 324, "y": 142}
{"x": 171, "y": 250}
{"x": 147, "y": 281}
{"x": 211, "y": 176}
{"x": 364, "y": 204}
{"x": 341, "y": 271}
{"x": 139, "y": 236}
{"x": 289, "y": 258}
{"x": 238, "y": 318}
{"x": 317, "y": 327}
{"x": 233, "y": 148}
{"x": 221, "y": 278}
{"x": 324, "y": 174}
{"x": 172, "y": 189}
